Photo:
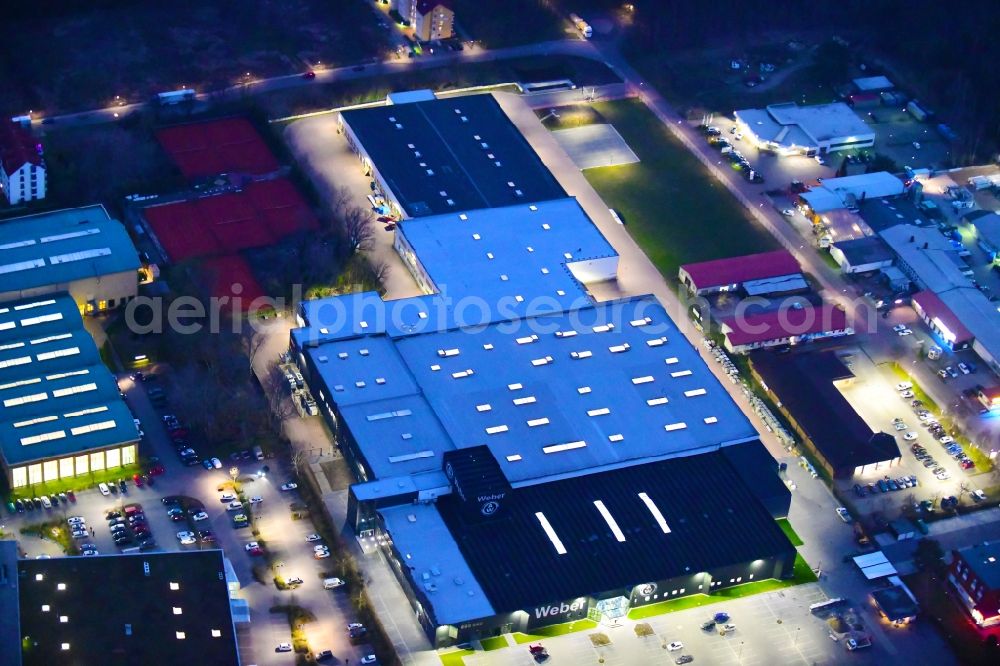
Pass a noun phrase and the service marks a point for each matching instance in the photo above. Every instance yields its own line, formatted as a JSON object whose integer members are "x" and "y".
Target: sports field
{"x": 671, "y": 205}
{"x": 592, "y": 146}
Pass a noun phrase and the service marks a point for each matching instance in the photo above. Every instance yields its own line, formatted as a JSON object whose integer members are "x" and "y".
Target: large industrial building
{"x": 82, "y": 251}
{"x": 790, "y": 129}
{"x": 578, "y": 436}
{"x": 61, "y": 414}
{"x": 148, "y": 608}
{"x": 439, "y": 156}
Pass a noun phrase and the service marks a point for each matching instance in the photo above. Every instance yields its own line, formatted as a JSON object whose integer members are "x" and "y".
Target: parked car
{"x": 289, "y": 486}
{"x": 844, "y": 514}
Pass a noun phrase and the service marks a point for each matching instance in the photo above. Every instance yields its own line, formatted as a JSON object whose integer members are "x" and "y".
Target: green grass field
{"x": 670, "y": 204}
{"x": 786, "y": 527}
{"x": 455, "y": 658}
{"x": 554, "y": 630}
{"x": 494, "y": 643}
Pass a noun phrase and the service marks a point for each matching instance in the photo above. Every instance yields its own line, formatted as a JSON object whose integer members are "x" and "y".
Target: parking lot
{"x": 874, "y": 396}
{"x": 283, "y": 537}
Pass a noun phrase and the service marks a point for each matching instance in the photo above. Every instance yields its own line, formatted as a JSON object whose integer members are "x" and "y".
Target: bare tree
{"x": 359, "y": 228}
{"x": 963, "y": 489}
{"x": 280, "y": 407}
{"x": 380, "y": 270}
{"x": 251, "y": 340}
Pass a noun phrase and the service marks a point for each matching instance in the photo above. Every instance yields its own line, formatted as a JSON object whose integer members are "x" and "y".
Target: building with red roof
{"x": 22, "y": 167}
{"x": 942, "y": 320}
{"x": 791, "y": 326}
{"x": 709, "y": 277}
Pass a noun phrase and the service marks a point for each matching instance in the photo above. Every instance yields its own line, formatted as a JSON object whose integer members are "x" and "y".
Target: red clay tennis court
{"x": 230, "y": 276}
{"x": 231, "y": 145}
{"x": 261, "y": 214}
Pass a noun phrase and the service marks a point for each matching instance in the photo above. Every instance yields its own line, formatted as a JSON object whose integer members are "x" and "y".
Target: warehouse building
{"x": 539, "y": 409}
{"x": 759, "y": 274}
{"x": 583, "y": 547}
{"x": 784, "y": 326}
{"x": 505, "y": 406}
{"x": 851, "y": 191}
{"x": 518, "y": 254}
{"x": 804, "y": 387}
{"x": 790, "y": 129}
{"x": 861, "y": 255}
{"x": 446, "y": 156}
{"x": 77, "y": 250}
{"x": 61, "y": 414}
{"x": 148, "y": 608}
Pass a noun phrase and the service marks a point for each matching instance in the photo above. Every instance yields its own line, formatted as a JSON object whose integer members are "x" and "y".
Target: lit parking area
{"x": 889, "y": 407}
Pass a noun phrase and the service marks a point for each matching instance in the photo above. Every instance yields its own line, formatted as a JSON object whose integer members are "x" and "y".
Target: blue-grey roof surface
{"x": 437, "y": 566}
{"x": 462, "y": 150}
{"x": 398, "y": 435}
{"x": 602, "y": 396}
{"x": 62, "y": 246}
{"x": 514, "y": 258}
{"x": 56, "y": 396}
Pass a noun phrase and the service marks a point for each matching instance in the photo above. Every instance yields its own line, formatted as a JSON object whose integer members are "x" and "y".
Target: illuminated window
{"x": 97, "y": 461}
{"x": 51, "y": 470}
{"x": 216, "y": 633}
{"x": 178, "y": 610}
{"x": 181, "y": 635}
{"x": 45, "y": 607}
{"x": 82, "y": 464}
{"x": 175, "y": 586}
{"x": 64, "y": 618}
{"x": 61, "y": 586}
{"x": 65, "y": 467}
{"x": 113, "y": 458}
{"x": 19, "y": 477}
{"x": 128, "y": 455}
{"x": 39, "y": 577}
{"x": 65, "y": 646}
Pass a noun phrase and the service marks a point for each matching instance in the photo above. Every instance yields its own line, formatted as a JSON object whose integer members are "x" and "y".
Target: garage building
{"x": 61, "y": 414}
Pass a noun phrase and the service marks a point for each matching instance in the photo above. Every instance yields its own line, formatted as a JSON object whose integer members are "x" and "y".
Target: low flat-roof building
{"x": 79, "y": 250}
{"x": 861, "y": 255}
{"x": 731, "y": 273}
{"x": 10, "y": 628}
{"x": 790, "y": 129}
{"x": 447, "y": 155}
{"x": 851, "y": 191}
{"x": 804, "y": 386}
{"x": 873, "y": 84}
{"x": 975, "y": 574}
{"x": 987, "y": 228}
{"x": 149, "y": 608}
{"x": 61, "y": 414}
{"x": 784, "y": 326}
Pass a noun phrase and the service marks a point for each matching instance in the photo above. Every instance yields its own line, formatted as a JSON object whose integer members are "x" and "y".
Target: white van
{"x": 104, "y": 488}
{"x": 332, "y": 583}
